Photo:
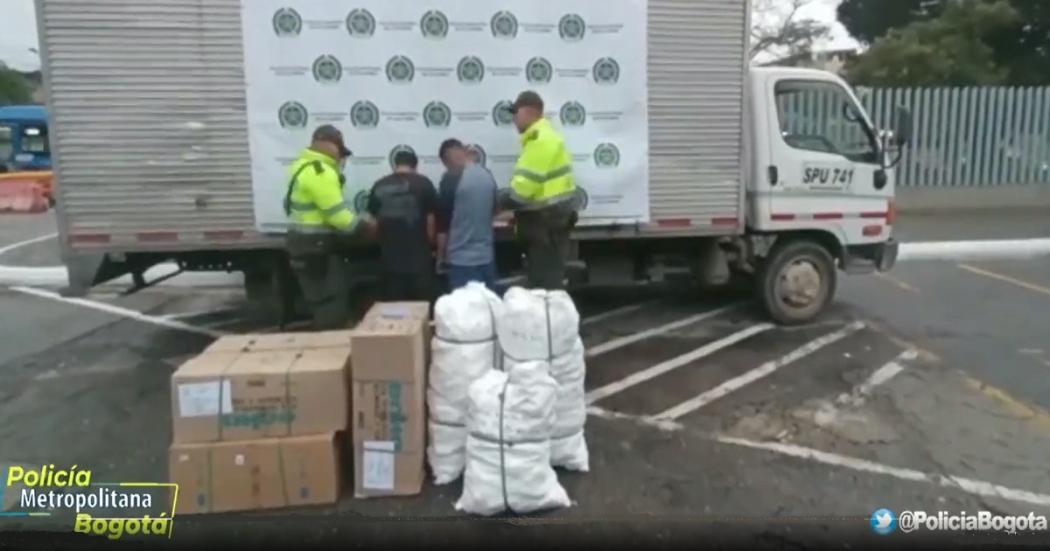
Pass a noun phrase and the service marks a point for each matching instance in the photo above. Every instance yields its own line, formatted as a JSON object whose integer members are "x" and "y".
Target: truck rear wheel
{"x": 797, "y": 281}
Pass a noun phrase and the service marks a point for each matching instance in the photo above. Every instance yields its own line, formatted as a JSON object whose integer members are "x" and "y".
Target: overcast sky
{"x": 18, "y": 31}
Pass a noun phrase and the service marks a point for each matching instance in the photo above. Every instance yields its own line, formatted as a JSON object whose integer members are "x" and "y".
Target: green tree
{"x": 951, "y": 49}
{"x": 13, "y": 87}
{"x": 868, "y": 20}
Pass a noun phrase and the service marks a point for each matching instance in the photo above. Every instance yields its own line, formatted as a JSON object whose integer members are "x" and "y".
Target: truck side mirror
{"x": 903, "y": 126}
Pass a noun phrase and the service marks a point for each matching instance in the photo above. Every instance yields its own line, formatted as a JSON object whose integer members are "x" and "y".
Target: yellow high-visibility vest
{"x": 543, "y": 174}
{"x": 314, "y": 202}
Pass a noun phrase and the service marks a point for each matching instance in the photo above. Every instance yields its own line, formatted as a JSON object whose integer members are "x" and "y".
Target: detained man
{"x": 467, "y": 205}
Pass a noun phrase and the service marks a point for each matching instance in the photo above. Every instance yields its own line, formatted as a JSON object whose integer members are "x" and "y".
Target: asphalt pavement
{"x": 923, "y": 389}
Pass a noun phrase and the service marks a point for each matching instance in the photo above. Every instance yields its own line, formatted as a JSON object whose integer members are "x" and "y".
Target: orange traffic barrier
{"x": 22, "y": 196}
{"x": 43, "y": 178}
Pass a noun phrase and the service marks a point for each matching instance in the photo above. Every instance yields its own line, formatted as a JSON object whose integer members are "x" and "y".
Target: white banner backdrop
{"x": 399, "y": 73}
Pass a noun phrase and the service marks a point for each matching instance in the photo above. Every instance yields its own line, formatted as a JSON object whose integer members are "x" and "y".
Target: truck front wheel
{"x": 797, "y": 281}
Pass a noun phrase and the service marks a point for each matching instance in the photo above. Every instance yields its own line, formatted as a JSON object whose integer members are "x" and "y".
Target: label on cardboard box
{"x": 378, "y": 469}
{"x": 202, "y": 399}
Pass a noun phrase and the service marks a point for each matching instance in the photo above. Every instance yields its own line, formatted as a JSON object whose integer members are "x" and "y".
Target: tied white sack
{"x": 463, "y": 349}
{"x": 537, "y": 324}
{"x": 568, "y": 445}
{"x": 508, "y": 446}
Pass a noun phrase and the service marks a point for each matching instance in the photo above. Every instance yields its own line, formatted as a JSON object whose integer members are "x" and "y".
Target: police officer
{"x": 542, "y": 194}
{"x": 321, "y": 223}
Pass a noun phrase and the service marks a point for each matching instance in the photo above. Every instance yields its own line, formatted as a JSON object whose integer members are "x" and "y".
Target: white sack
{"x": 571, "y": 366}
{"x": 508, "y": 463}
{"x": 446, "y": 451}
{"x": 571, "y": 453}
{"x": 524, "y": 333}
{"x": 568, "y": 447}
{"x": 463, "y": 349}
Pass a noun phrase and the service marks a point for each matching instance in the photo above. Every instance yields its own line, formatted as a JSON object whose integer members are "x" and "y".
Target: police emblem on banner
{"x": 501, "y": 115}
{"x": 480, "y": 157}
{"x": 287, "y": 22}
{"x": 538, "y": 70}
{"x": 437, "y": 115}
{"x": 470, "y": 70}
{"x": 361, "y": 201}
{"x": 293, "y": 114}
{"x": 504, "y": 25}
{"x": 364, "y": 114}
{"x": 606, "y": 71}
{"x": 327, "y": 69}
{"x": 398, "y": 149}
{"x": 573, "y": 114}
{"x": 606, "y": 155}
{"x": 572, "y": 28}
{"x": 400, "y": 69}
{"x": 582, "y": 198}
{"x": 434, "y": 24}
{"x": 360, "y": 23}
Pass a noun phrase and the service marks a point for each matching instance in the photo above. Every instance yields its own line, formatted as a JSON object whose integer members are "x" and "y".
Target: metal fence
{"x": 962, "y": 137}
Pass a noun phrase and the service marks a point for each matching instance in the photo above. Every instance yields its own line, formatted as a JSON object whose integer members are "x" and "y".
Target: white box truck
{"x": 172, "y": 121}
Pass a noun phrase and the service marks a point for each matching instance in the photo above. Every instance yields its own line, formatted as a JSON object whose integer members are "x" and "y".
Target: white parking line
{"x": 621, "y": 342}
{"x": 199, "y": 313}
{"x": 8, "y": 248}
{"x": 674, "y": 363}
{"x": 616, "y": 312}
{"x": 968, "y": 485}
{"x": 763, "y": 370}
{"x": 879, "y": 377}
{"x": 119, "y": 311}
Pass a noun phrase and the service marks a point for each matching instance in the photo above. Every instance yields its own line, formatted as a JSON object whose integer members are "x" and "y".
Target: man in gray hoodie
{"x": 466, "y": 207}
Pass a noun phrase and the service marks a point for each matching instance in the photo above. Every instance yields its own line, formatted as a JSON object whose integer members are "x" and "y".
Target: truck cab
{"x": 820, "y": 195}
{"x": 24, "y": 144}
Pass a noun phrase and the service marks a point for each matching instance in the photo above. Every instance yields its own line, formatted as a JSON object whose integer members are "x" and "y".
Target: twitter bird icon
{"x": 883, "y": 522}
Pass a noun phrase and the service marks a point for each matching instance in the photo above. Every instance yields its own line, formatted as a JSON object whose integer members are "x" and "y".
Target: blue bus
{"x": 24, "y": 138}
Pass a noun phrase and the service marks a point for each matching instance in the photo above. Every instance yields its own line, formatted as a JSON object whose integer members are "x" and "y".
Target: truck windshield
{"x": 34, "y": 139}
{"x": 821, "y": 116}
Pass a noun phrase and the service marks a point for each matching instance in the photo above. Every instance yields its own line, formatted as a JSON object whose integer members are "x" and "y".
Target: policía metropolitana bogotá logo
{"x": 504, "y": 25}
{"x": 502, "y": 115}
{"x": 573, "y": 114}
{"x": 293, "y": 114}
{"x": 480, "y": 157}
{"x": 571, "y": 28}
{"x": 437, "y": 115}
{"x": 606, "y": 155}
{"x": 400, "y": 69}
{"x": 470, "y": 70}
{"x": 434, "y": 25}
{"x": 361, "y": 201}
{"x": 606, "y": 71}
{"x": 327, "y": 69}
{"x": 287, "y": 22}
{"x": 360, "y": 23}
{"x": 539, "y": 71}
{"x": 582, "y": 198}
{"x": 364, "y": 114}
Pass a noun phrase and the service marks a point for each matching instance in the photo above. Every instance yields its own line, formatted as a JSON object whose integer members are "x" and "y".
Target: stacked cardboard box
{"x": 391, "y": 355}
{"x": 258, "y": 422}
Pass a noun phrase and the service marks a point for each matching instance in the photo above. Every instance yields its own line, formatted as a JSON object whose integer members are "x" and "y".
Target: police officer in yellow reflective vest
{"x": 542, "y": 194}
{"x": 321, "y": 224}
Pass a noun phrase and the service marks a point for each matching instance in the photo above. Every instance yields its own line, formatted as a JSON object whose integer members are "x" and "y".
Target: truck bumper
{"x": 886, "y": 255}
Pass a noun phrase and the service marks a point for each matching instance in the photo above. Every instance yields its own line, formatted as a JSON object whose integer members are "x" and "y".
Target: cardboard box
{"x": 256, "y": 474}
{"x": 280, "y": 341}
{"x": 227, "y": 395}
{"x": 391, "y": 353}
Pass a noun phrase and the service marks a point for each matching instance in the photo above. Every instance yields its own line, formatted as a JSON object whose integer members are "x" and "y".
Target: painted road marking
{"x": 764, "y": 370}
{"x": 968, "y": 485}
{"x": 674, "y": 363}
{"x": 120, "y": 311}
{"x": 1014, "y": 406}
{"x": 621, "y": 342}
{"x": 662, "y": 424}
{"x": 975, "y": 250}
{"x": 1007, "y": 279}
{"x": 878, "y": 378}
{"x": 200, "y": 313}
{"x": 8, "y": 248}
{"x": 616, "y": 312}
{"x": 897, "y": 282}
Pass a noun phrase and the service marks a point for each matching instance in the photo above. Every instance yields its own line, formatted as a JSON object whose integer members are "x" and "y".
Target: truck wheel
{"x": 797, "y": 281}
